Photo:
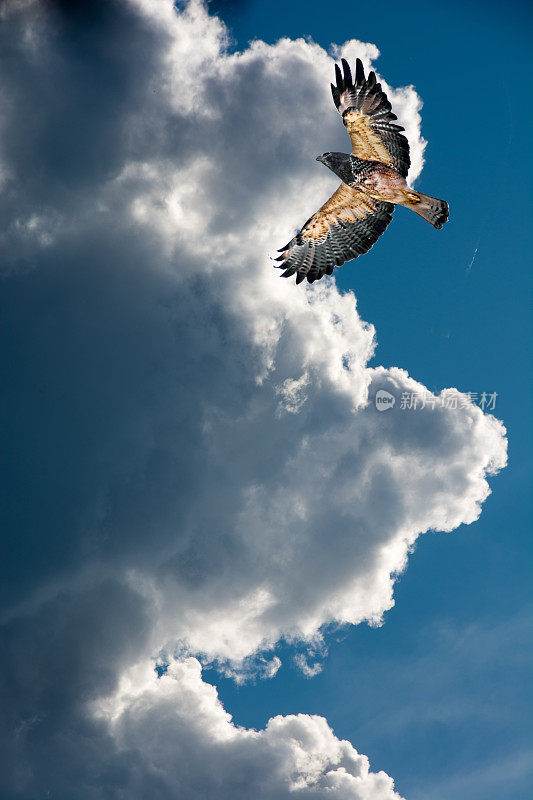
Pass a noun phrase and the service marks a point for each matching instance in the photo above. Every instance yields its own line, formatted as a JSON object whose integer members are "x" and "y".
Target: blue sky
{"x": 459, "y": 636}
{"x": 195, "y": 474}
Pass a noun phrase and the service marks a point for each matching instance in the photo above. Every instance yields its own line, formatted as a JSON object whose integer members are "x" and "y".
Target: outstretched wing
{"x": 367, "y": 114}
{"x": 345, "y": 227}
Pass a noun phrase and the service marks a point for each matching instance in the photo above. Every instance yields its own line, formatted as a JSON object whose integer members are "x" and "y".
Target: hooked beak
{"x": 319, "y": 158}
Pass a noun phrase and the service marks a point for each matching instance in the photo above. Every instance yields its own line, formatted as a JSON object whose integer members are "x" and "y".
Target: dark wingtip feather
{"x": 287, "y": 273}
{"x": 359, "y": 72}
{"x": 300, "y": 276}
{"x": 285, "y": 247}
{"x": 338, "y": 76}
{"x": 336, "y": 95}
{"x": 347, "y": 73}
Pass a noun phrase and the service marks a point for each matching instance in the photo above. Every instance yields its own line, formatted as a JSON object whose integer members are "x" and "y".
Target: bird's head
{"x": 339, "y": 163}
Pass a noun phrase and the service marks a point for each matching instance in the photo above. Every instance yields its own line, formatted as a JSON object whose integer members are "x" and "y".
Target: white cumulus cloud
{"x": 199, "y": 467}
{"x": 190, "y": 748}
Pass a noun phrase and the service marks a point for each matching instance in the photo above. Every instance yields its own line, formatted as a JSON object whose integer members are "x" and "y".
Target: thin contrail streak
{"x": 469, "y": 267}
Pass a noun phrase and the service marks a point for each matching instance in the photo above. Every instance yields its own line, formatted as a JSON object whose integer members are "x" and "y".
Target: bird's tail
{"x": 435, "y": 211}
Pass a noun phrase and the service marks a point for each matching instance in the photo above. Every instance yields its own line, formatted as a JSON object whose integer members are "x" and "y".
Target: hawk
{"x": 373, "y": 182}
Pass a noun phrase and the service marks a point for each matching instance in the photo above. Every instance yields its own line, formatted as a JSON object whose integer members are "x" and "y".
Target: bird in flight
{"x": 373, "y": 182}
